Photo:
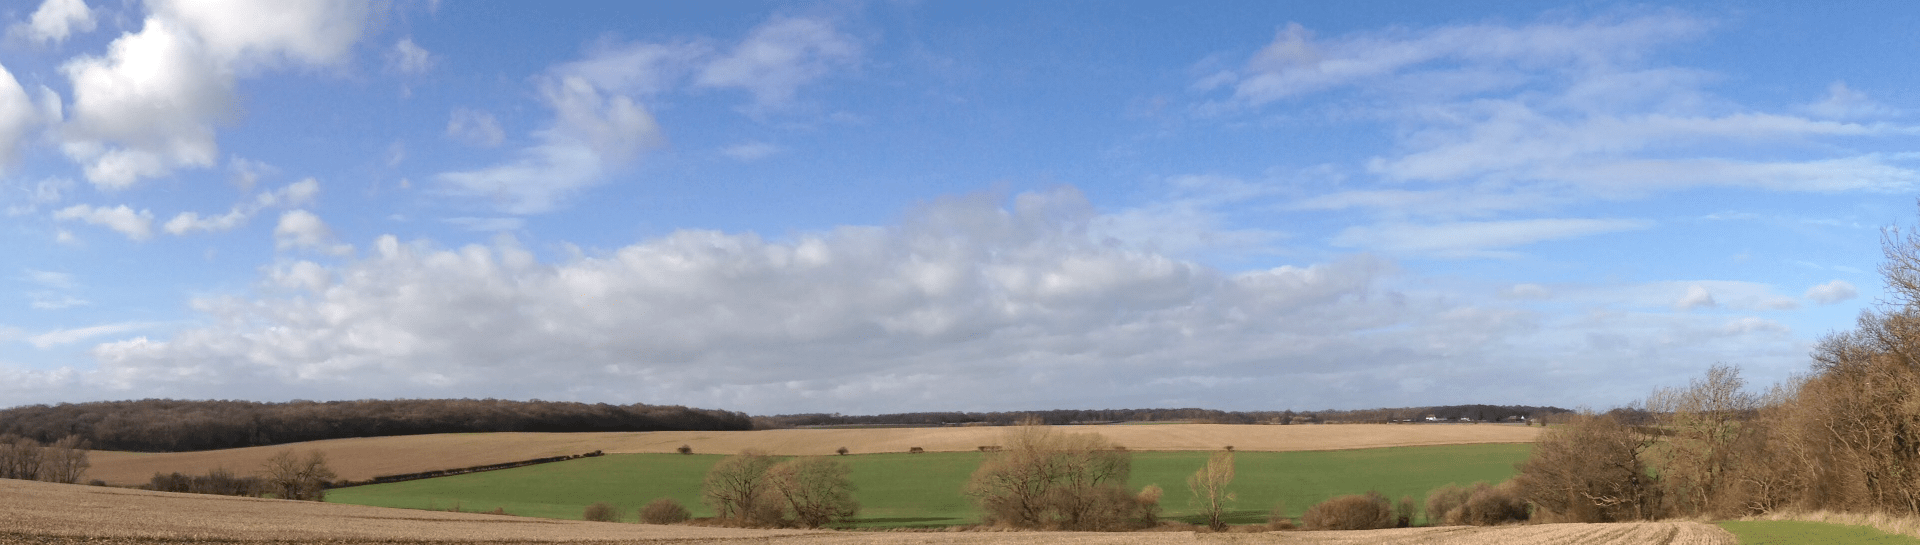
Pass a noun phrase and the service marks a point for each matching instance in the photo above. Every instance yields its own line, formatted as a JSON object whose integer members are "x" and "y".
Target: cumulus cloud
{"x": 150, "y": 105}
{"x": 18, "y": 116}
{"x": 135, "y": 225}
{"x": 1832, "y": 292}
{"x": 972, "y": 302}
{"x": 303, "y": 230}
{"x": 296, "y": 194}
{"x": 57, "y": 19}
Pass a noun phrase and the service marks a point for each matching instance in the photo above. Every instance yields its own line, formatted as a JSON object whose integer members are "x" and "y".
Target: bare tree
{"x": 66, "y": 460}
{"x": 1209, "y": 486}
{"x": 292, "y": 477}
{"x": 815, "y": 491}
{"x": 1593, "y": 469}
{"x": 1703, "y": 424}
{"x": 737, "y": 488}
{"x": 1042, "y": 479}
{"x": 20, "y": 457}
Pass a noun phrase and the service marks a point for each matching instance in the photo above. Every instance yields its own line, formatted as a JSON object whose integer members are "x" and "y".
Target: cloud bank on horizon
{"x": 888, "y": 208}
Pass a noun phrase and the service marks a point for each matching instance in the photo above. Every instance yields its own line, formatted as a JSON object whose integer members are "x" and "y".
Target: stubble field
{"x": 53, "y": 513}
{"x": 365, "y": 458}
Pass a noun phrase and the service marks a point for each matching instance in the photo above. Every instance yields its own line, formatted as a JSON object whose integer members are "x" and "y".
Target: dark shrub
{"x": 843, "y": 451}
{"x": 601, "y": 512}
{"x": 916, "y": 450}
{"x": 664, "y": 511}
{"x": 685, "y": 449}
{"x": 1368, "y": 511}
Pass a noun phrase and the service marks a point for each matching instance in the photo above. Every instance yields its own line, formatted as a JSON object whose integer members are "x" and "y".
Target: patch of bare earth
{"x": 34, "y": 512}
{"x": 365, "y": 458}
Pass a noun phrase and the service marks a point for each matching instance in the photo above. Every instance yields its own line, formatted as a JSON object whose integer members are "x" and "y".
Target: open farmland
{"x": 53, "y": 513}
{"x": 365, "y": 458}
{"x": 925, "y": 489}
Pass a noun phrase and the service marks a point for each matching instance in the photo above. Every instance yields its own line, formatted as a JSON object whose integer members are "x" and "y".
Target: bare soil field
{"x": 35, "y": 512}
{"x": 365, "y": 458}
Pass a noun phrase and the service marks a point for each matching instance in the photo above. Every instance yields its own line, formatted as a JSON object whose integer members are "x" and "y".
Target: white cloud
{"x": 135, "y": 225}
{"x": 1832, "y": 292}
{"x": 1295, "y": 63}
{"x": 972, "y": 302}
{"x": 55, "y": 20}
{"x": 149, "y": 106}
{"x": 1477, "y": 238}
{"x": 751, "y": 151}
{"x": 299, "y": 193}
{"x": 601, "y": 123}
{"x": 593, "y": 133}
{"x": 1697, "y": 296}
{"x": 779, "y": 57}
{"x": 246, "y": 35}
{"x": 58, "y": 337}
{"x": 300, "y": 229}
{"x": 18, "y": 116}
{"x": 1496, "y": 118}
{"x": 475, "y": 127}
{"x": 409, "y": 58}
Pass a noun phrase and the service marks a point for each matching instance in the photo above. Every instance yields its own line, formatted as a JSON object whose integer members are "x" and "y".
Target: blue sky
{"x": 884, "y": 207}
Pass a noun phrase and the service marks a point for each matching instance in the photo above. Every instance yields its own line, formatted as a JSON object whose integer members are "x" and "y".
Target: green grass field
{"x": 1784, "y": 532}
{"x": 924, "y": 489}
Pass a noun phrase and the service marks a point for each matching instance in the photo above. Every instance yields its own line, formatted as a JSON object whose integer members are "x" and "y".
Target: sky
{"x": 877, "y": 207}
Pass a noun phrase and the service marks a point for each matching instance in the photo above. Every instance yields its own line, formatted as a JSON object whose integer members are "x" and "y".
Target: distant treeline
{"x": 1482, "y": 413}
{"x": 166, "y": 425}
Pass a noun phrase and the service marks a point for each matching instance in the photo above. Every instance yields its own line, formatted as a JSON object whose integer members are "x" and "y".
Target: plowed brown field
{"x": 365, "y": 458}
{"x": 33, "y": 512}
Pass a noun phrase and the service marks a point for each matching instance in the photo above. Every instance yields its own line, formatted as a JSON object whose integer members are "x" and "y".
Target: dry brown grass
{"x": 36, "y": 512}
{"x": 365, "y": 458}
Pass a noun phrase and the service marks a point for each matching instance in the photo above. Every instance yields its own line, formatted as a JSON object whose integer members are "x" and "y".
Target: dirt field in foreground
{"x": 365, "y": 458}
{"x": 33, "y": 512}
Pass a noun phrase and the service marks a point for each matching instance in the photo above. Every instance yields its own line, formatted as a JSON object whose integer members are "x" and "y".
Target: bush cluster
{"x": 664, "y": 511}
{"x": 601, "y": 512}
{"x": 1478, "y": 505}
{"x": 1065, "y": 481}
{"x": 1369, "y": 511}
{"x": 219, "y": 482}
{"x": 756, "y": 490}
{"x": 64, "y": 461}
